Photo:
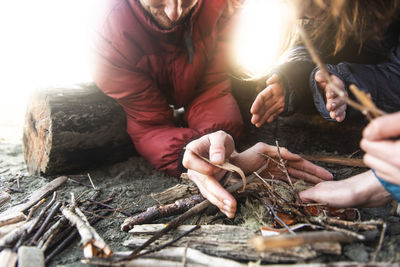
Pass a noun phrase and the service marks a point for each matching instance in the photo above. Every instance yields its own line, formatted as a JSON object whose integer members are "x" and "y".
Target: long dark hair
{"x": 359, "y": 20}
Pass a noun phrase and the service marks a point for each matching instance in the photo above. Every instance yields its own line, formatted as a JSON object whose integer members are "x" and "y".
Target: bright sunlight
{"x": 43, "y": 42}
{"x": 260, "y": 35}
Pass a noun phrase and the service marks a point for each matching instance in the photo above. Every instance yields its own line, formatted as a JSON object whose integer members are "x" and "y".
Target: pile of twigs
{"x": 50, "y": 229}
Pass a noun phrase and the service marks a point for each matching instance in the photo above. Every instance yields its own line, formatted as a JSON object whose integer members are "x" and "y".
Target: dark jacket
{"x": 375, "y": 69}
{"x": 147, "y": 69}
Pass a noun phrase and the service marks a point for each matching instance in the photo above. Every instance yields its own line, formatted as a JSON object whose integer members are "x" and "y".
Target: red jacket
{"x": 146, "y": 69}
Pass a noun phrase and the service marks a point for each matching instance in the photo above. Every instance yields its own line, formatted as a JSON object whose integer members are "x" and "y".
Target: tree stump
{"x": 69, "y": 129}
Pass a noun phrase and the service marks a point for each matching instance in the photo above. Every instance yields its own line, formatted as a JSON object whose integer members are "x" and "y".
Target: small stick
{"x": 90, "y": 179}
{"x": 179, "y": 220}
{"x": 380, "y": 243}
{"x": 49, "y": 235}
{"x": 184, "y": 258}
{"x": 77, "y": 182}
{"x": 284, "y": 241}
{"x": 62, "y": 245}
{"x": 336, "y": 160}
{"x": 284, "y": 170}
{"x": 32, "y": 210}
{"x": 36, "y": 196}
{"x": 110, "y": 207}
{"x": 93, "y": 244}
{"x": 20, "y": 241}
{"x": 49, "y": 217}
{"x": 42, "y": 213}
{"x": 161, "y": 211}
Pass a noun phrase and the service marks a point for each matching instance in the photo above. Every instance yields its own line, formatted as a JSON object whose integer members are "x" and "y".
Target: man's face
{"x": 168, "y": 13}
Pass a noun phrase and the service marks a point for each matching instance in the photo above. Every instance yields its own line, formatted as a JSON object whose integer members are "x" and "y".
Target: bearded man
{"x": 156, "y": 56}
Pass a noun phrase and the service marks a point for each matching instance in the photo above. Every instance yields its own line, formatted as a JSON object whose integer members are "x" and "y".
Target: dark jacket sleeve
{"x": 381, "y": 81}
{"x": 294, "y": 76}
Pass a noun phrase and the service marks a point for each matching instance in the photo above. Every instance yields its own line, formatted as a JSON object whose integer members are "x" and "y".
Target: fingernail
{"x": 216, "y": 157}
{"x": 333, "y": 105}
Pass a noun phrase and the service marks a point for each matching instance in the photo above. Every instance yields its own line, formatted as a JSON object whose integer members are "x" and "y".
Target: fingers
{"x": 269, "y": 103}
{"x": 306, "y": 176}
{"x": 383, "y": 169}
{"x": 215, "y": 146}
{"x": 385, "y": 150}
{"x": 383, "y": 127}
{"x": 360, "y": 190}
{"x": 334, "y": 104}
{"x": 339, "y": 113}
{"x": 211, "y": 189}
{"x": 260, "y": 105}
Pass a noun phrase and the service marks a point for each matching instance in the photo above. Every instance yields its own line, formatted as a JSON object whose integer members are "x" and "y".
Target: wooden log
{"x": 228, "y": 241}
{"x": 68, "y": 129}
{"x": 12, "y": 218}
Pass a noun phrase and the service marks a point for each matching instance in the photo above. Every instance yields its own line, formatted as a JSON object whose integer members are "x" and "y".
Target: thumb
{"x": 307, "y": 195}
{"x": 319, "y": 77}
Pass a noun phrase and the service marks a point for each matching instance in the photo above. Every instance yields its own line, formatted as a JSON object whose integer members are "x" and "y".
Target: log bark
{"x": 68, "y": 129}
{"x": 227, "y": 241}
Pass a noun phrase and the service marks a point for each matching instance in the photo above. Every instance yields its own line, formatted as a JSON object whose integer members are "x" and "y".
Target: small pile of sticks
{"x": 54, "y": 227}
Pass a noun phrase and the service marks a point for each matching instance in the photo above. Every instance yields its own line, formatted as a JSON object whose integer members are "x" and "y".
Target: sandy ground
{"x": 131, "y": 182}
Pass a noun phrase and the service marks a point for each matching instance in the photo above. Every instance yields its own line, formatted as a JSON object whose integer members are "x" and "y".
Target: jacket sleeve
{"x": 294, "y": 76}
{"x": 150, "y": 122}
{"x": 381, "y": 81}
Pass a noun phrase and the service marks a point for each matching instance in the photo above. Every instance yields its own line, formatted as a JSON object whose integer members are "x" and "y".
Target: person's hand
{"x": 251, "y": 160}
{"x": 334, "y": 104}
{"x": 362, "y": 190}
{"x": 216, "y": 147}
{"x": 269, "y": 103}
{"x": 383, "y": 153}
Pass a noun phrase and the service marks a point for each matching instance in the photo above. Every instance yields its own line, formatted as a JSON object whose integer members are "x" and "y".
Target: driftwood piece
{"x": 4, "y": 198}
{"x": 68, "y": 129}
{"x": 266, "y": 243}
{"x": 12, "y": 218}
{"x": 8, "y": 258}
{"x": 93, "y": 244}
{"x": 176, "y": 192}
{"x": 190, "y": 213}
{"x": 172, "y": 257}
{"x": 13, "y": 236}
{"x": 4, "y": 230}
{"x": 36, "y": 196}
{"x": 226, "y": 241}
{"x": 161, "y": 211}
{"x": 30, "y": 256}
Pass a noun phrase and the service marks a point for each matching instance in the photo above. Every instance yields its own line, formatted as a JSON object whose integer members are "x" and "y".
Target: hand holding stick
{"x": 367, "y": 107}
